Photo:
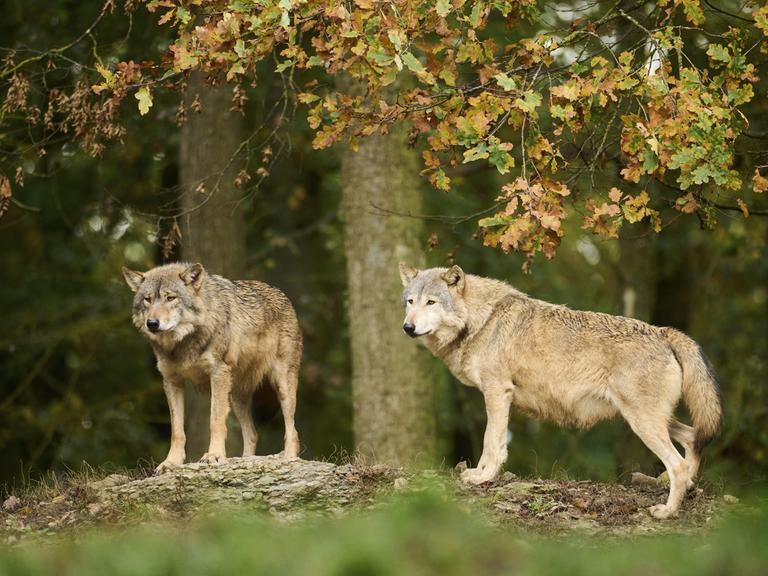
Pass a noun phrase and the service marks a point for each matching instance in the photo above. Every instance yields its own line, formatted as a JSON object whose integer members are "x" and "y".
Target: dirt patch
{"x": 557, "y": 506}
{"x": 291, "y": 490}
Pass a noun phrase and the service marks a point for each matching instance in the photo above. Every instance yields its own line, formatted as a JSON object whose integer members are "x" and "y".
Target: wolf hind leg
{"x": 686, "y": 436}
{"x": 653, "y": 430}
{"x": 286, "y": 381}
{"x": 241, "y": 406}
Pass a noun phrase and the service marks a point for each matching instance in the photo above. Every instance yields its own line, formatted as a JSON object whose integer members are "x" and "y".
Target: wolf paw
{"x": 662, "y": 511}
{"x": 167, "y": 466}
{"x": 288, "y": 455}
{"x": 477, "y": 475}
{"x": 213, "y": 458}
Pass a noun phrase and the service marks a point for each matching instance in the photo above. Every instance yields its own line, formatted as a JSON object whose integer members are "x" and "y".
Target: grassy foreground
{"x": 420, "y": 532}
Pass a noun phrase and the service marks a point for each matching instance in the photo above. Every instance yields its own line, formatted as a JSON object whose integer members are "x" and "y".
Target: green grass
{"x": 421, "y": 533}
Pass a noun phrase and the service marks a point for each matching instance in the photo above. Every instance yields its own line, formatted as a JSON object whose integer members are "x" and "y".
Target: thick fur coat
{"x": 572, "y": 367}
{"x": 221, "y": 335}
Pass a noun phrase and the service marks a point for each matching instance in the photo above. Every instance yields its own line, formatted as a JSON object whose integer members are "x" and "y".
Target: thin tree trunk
{"x": 637, "y": 269}
{"x": 394, "y": 420}
{"x": 673, "y": 279}
{"x": 213, "y": 231}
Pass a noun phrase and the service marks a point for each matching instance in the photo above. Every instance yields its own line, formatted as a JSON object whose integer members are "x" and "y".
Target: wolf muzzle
{"x": 410, "y": 329}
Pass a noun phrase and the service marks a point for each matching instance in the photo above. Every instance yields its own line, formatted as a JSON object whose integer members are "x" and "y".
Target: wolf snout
{"x": 410, "y": 329}
{"x": 153, "y": 325}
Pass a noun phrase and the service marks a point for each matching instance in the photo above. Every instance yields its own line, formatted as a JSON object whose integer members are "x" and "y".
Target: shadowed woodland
{"x": 606, "y": 156}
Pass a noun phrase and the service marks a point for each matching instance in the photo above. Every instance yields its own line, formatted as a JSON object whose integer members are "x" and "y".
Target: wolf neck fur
{"x": 473, "y": 310}
{"x": 193, "y": 341}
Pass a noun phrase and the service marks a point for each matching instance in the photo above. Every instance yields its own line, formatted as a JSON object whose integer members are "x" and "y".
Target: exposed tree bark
{"x": 213, "y": 230}
{"x": 394, "y": 420}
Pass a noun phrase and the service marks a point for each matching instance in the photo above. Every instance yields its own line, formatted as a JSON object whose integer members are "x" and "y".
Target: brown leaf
{"x": 5, "y": 194}
{"x": 759, "y": 183}
{"x": 743, "y": 207}
{"x": 171, "y": 239}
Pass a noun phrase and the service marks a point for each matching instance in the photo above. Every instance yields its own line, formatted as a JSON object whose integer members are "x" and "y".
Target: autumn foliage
{"x": 655, "y": 95}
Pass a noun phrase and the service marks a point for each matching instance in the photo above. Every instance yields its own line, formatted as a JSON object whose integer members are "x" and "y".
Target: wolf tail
{"x": 700, "y": 390}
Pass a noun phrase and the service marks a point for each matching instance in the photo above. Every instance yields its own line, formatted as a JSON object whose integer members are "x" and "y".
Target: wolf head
{"x": 167, "y": 301}
{"x": 433, "y": 301}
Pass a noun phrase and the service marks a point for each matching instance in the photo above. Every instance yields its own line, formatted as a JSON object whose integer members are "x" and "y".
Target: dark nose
{"x": 153, "y": 325}
{"x": 409, "y": 329}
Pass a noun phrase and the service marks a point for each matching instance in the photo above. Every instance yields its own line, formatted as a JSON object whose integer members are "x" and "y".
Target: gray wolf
{"x": 222, "y": 335}
{"x": 575, "y": 368}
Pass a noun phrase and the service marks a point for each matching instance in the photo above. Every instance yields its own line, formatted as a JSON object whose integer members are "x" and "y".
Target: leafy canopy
{"x": 553, "y": 98}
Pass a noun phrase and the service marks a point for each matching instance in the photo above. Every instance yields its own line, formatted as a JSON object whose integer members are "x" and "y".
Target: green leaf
{"x": 499, "y": 156}
{"x": 379, "y": 57}
{"x": 108, "y": 76}
{"x": 477, "y": 14}
{"x": 558, "y": 112}
{"x": 394, "y": 37}
{"x": 237, "y": 68}
{"x": 448, "y": 77}
{"x": 443, "y": 8}
{"x": 441, "y": 180}
{"x": 650, "y": 162}
{"x": 477, "y": 153}
{"x": 681, "y": 158}
{"x": 413, "y": 63}
{"x": 183, "y": 15}
{"x": 495, "y": 220}
{"x": 719, "y": 53}
{"x": 145, "y": 100}
{"x": 529, "y": 102}
{"x": 240, "y": 48}
{"x": 507, "y": 83}
{"x": 285, "y": 17}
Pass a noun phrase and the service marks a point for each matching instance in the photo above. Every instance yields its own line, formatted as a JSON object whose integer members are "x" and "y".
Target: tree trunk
{"x": 637, "y": 271}
{"x": 674, "y": 287}
{"x": 394, "y": 420}
{"x": 637, "y": 274}
{"x": 213, "y": 231}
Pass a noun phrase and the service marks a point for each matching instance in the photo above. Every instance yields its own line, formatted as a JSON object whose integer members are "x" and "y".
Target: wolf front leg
{"x": 221, "y": 386}
{"x": 174, "y": 393}
{"x": 498, "y": 400}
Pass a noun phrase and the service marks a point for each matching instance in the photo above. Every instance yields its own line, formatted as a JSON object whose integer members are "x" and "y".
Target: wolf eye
{"x": 430, "y": 302}
{"x": 410, "y": 300}
{"x": 147, "y": 299}
{"x": 170, "y": 298}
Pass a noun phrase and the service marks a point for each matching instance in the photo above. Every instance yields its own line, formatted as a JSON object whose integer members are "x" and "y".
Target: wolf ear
{"x": 193, "y": 276}
{"x": 454, "y": 277}
{"x": 133, "y": 278}
{"x": 407, "y": 273}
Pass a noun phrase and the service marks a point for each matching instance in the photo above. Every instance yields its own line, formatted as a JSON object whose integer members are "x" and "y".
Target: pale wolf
{"x": 573, "y": 367}
{"x": 225, "y": 336}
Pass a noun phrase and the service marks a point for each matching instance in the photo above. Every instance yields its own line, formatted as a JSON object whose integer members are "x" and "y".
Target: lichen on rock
{"x": 272, "y": 483}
